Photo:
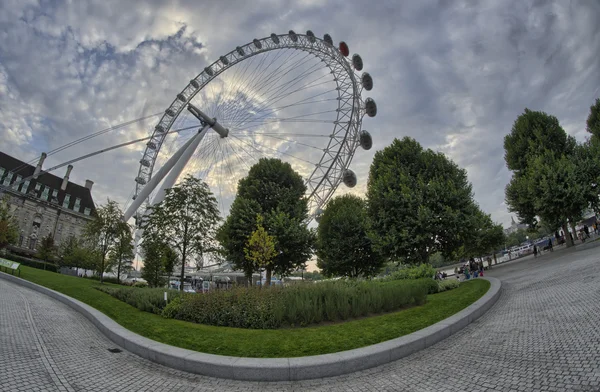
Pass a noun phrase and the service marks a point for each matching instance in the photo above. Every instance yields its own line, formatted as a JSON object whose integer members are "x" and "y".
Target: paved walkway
{"x": 542, "y": 334}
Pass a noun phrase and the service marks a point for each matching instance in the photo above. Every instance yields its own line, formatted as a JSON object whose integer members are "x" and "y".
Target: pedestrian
{"x": 550, "y": 248}
{"x": 481, "y": 268}
{"x": 587, "y": 231}
{"x": 535, "y": 251}
{"x": 489, "y": 261}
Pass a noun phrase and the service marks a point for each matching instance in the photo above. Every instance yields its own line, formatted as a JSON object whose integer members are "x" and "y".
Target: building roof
{"x": 36, "y": 188}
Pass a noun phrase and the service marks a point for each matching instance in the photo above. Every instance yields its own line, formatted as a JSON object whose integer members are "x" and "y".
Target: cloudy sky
{"x": 452, "y": 74}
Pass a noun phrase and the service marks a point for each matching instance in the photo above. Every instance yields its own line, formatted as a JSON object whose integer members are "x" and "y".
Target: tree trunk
{"x": 495, "y": 261}
{"x": 183, "y": 256}
{"x": 119, "y": 272}
{"x": 574, "y": 232}
{"x": 567, "y": 236}
{"x": 268, "y": 277}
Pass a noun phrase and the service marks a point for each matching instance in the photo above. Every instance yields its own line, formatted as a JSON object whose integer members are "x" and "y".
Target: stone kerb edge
{"x": 275, "y": 369}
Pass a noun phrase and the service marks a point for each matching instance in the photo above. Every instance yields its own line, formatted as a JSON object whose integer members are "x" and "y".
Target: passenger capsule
{"x": 209, "y": 71}
{"x": 319, "y": 215}
{"x": 344, "y": 49}
{"x": 349, "y": 178}
{"x": 224, "y": 60}
{"x": 194, "y": 83}
{"x": 367, "y": 81}
{"x": 293, "y": 36}
{"x": 144, "y": 162}
{"x": 275, "y": 38}
{"x": 257, "y": 43}
{"x": 240, "y": 51}
{"x": 170, "y": 112}
{"x": 311, "y": 36}
{"x": 357, "y": 62}
{"x": 370, "y": 107}
{"x": 140, "y": 180}
{"x": 159, "y": 128}
{"x": 151, "y": 145}
{"x": 366, "y": 140}
{"x": 328, "y": 40}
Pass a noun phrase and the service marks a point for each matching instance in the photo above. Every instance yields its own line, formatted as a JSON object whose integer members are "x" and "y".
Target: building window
{"x": 38, "y": 186}
{"x": 77, "y": 204}
{"x": 2, "y": 171}
{"x": 25, "y": 186}
{"x": 7, "y": 179}
{"x": 45, "y": 193}
{"x": 54, "y": 193}
{"x": 86, "y": 211}
{"x": 18, "y": 180}
{"x": 66, "y": 201}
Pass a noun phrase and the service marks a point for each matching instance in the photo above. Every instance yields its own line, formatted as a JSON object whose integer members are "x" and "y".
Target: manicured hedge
{"x": 31, "y": 262}
{"x": 277, "y": 307}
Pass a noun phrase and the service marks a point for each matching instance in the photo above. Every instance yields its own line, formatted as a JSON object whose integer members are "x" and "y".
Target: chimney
{"x": 88, "y": 184}
{"x": 38, "y": 168}
{"x": 66, "y": 178}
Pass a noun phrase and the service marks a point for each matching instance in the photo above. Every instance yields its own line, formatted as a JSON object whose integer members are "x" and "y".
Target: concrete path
{"x": 542, "y": 334}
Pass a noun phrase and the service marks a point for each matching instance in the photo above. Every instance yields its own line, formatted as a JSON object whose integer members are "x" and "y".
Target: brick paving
{"x": 542, "y": 335}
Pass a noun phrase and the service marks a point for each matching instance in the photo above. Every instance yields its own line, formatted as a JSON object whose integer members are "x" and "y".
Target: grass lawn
{"x": 264, "y": 343}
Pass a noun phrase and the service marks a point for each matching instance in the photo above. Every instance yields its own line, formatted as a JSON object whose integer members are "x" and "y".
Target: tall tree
{"x": 275, "y": 191}
{"x": 419, "y": 202}
{"x": 47, "y": 249}
{"x": 187, "y": 221}
{"x": 73, "y": 252}
{"x": 9, "y": 228}
{"x": 487, "y": 236}
{"x": 549, "y": 181}
{"x": 344, "y": 247}
{"x": 593, "y": 120}
{"x": 121, "y": 255}
{"x": 260, "y": 248}
{"x": 154, "y": 251}
{"x": 103, "y": 231}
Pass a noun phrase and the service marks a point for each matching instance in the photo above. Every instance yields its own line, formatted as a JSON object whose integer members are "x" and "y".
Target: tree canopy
{"x": 419, "y": 202}
{"x": 273, "y": 190}
{"x": 159, "y": 258}
{"x": 260, "y": 248}
{"x": 344, "y": 247}
{"x": 186, "y": 220}
{"x": 47, "y": 249}
{"x": 550, "y": 172}
{"x": 121, "y": 255}
{"x": 103, "y": 231}
{"x": 9, "y": 228}
{"x": 593, "y": 120}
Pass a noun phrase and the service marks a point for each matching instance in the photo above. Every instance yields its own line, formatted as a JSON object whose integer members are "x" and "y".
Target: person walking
{"x": 535, "y": 251}
{"x": 550, "y": 248}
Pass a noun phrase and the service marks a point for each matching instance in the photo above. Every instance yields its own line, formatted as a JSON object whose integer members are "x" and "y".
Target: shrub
{"x": 31, "y": 262}
{"x": 414, "y": 272}
{"x": 448, "y": 284}
{"x": 140, "y": 284}
{"x": 432, "y": 285}
{"x": 276, "y": 307}
{"x": 148, "y": 300}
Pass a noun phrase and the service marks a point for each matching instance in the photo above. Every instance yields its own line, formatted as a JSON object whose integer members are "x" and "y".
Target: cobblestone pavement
{"x": 542, "y": 335}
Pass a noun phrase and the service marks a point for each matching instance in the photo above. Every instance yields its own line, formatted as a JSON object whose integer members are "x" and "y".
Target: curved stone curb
{"x": 275, "y": 369}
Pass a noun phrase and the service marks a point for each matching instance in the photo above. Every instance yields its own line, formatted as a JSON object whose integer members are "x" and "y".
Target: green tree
{"x": 419, "y": 203}
{"x": 102, "y": 232}
{"x": 260, "y": 248}
{"x": 488, "y": 236}
{"x": 153, "y": 250}
{"x": 344, "y": 247}
{"x": 549, "y": 181}
{"x": 275, "y": 191}
{"x": 121, "y": 255}
{"x": 593, "y": 120}
{"x": 9, "y": 228}
{"x": 74, "y": 253}
{"x": 47, "y": 249}
{"x": 186, "y": 220}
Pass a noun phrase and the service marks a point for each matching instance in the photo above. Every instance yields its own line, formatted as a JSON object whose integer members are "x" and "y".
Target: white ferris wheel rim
{"x": 344, "y": 139}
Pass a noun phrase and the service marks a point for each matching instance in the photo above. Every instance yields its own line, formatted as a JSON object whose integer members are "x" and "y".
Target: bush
{"x": 276, "y": 307}
{"x": 148, "y": 300}
{"x": 31, "y": 262}
{"x": 448, "y": 284}
{"x": 415, "y": 272}
{"x": 432, "y": 285}
{"x": 140, "y": 284}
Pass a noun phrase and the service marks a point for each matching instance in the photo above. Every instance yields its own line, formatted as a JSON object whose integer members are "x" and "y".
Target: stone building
{"x": 43, "y": 203}
{"x": 514, "y": 226}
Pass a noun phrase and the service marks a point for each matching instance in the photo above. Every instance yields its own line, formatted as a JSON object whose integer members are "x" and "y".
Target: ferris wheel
{"x": 291, "y": 96}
